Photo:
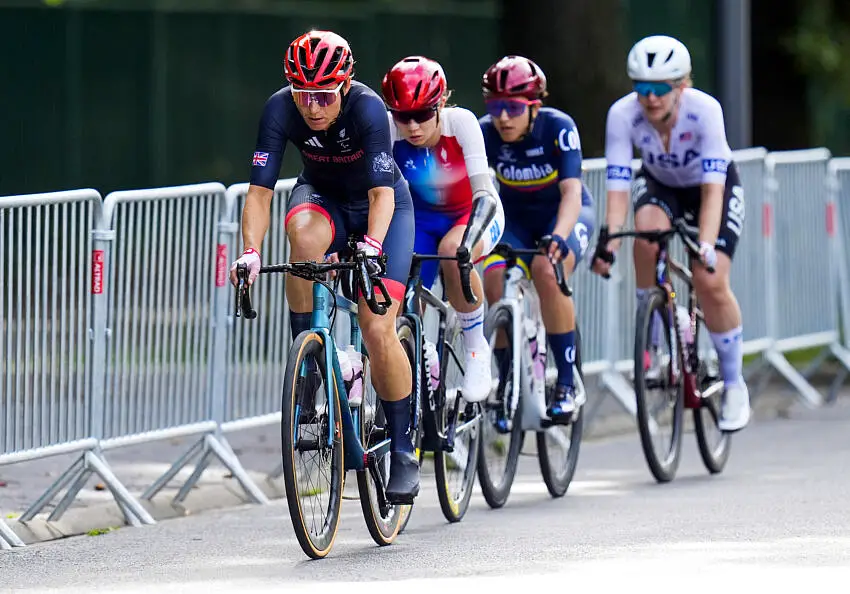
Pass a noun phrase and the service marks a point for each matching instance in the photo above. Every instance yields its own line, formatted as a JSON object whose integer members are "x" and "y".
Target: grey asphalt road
{"x": 779, "y": 514}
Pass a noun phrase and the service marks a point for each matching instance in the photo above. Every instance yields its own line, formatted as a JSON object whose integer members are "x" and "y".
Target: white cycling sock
{"x": 472, "y": 324}
{"x": 730, "y": 351}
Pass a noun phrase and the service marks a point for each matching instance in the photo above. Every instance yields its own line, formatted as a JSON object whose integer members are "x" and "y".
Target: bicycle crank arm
{"x": 371, "y": 462}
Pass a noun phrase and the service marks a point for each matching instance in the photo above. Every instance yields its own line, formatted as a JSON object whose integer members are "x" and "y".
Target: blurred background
{"x": 120, "y": 94}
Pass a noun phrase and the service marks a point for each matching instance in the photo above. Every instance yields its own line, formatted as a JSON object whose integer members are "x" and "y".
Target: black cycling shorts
{"x": 685, "y": 203}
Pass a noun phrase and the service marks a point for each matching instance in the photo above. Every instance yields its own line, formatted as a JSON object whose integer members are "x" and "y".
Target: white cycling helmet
{"x": 658, "y": 58}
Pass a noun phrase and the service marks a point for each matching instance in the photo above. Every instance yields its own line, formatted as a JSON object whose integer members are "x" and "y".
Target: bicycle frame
{"x": 415, "y": 292}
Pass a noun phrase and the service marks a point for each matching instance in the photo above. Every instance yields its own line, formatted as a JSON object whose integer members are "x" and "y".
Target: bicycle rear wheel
{"x": 384, "y": 525}
{"x": 313, "y": 470}
{"x": 714, "y": 445}
{"x": 663, "y": 461}
{"x": 558, "y": 446}
{"x": 455, "y": 470}
{"x": 496, "y": 476}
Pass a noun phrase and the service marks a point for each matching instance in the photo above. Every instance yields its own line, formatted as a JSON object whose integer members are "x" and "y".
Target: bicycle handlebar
{"x": 312, "y": 271}
{"x": 688, "y": 235}
{"x": 510, "y": 253}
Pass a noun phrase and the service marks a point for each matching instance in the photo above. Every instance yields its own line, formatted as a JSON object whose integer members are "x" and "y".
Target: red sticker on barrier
{"x": 97, "y": 259}
{"x": 830, "y": 218}
{"x": 766, "y": 220}
{"x": 221, "y": 265}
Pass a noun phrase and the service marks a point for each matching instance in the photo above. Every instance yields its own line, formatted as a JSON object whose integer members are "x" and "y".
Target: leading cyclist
{"x": 687, "y": 171}
{"x": 349, "y": 184}
{"x": 441, "y": 153}
{"x": 536, "y": 152}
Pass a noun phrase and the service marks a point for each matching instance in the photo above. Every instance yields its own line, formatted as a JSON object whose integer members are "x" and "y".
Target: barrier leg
{"x": 64, "y": 479}
{"x": 8, "y": 538}
{"x": 806, "y": 393}
{"x": 229, "y": 459}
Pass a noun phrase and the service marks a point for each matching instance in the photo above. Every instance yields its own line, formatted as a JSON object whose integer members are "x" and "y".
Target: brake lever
{"x": 243, "y": 295}
{"x": 465, "y": 270}
{"x": 556, "y": 266}
{"x": 367, "y": 288}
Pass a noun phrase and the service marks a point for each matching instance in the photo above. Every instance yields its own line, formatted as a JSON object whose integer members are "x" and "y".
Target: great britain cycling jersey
{"x": 698, "y": 150}
{"x": 672, "y": 180}
{"x": 529, "y": 172}
{"x": 341, "y": 165}
{"x": 439, "y": 182}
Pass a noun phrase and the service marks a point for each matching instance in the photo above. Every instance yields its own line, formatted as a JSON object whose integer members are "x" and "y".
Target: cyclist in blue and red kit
{"x": 350, "y": 184}
{"x": 536, "y": 153}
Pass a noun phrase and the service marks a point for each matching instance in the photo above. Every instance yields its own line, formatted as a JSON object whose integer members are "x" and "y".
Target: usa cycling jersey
{"x": 345, "y": 161}
{"x": 528, "y": 171}
{"x": 698, "y": 153}
{"x": 439, "y": 176}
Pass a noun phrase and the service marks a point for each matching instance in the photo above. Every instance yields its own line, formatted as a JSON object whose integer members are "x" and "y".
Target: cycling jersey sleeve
{"x": 374, "y": 125}
{"x": 471, "y": 140}
{"x": 569, "y": 146}
{"x": 394, "y": 135}
{"x": 618, "y": 149}
{"x": 716, "y": 153}
{"x": 271, "y": 143}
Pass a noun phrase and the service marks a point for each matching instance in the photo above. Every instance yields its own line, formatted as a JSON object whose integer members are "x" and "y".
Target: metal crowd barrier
{"x": 118, "y": 323}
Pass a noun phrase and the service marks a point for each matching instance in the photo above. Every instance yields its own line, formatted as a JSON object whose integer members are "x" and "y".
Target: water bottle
{"x": 432, "y": 365}
{"x": 538, "y": 353}
{"x": 683, "y": 318}
{"x": 344, "y": 365}
{"x": 355, "y": 392}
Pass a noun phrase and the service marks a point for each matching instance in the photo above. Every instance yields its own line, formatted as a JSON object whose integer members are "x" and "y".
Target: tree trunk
{"x": 581, "y": 46}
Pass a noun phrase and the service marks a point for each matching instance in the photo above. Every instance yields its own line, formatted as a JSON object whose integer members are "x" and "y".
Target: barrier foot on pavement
{"x": 205, "y": 449}
{"x": 8, "y": 538}
{"x": 612, "y": 382}
{"x": 806, "y": 393}
{"x": 75, "y": 478}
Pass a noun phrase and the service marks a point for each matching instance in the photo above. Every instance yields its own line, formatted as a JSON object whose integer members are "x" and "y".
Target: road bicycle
{"x": 687, "y": 378}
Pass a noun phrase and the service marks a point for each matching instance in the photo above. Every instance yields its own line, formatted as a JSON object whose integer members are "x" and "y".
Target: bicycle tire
{"x": 454, "y": 507}
{"x": 557, "y": 483}
{"x": 383, "y": 530}
{"x": 705, "y": 419}
{"x": 662, "y": 470}
{"x": 496, "y": 494}
{"x": 309, "y": 344}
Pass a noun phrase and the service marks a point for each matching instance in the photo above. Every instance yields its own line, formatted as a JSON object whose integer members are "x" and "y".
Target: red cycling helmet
{"x": 514, "y": 76}
{"x": 318, "y": 60}
{"x": 414, "y": 83}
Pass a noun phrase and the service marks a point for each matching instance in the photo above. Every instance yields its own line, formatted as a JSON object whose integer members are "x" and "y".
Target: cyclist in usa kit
{"x": 440, "y": 151}
{"x": 536, "y": 153}
{"x": 687, "y": 171}
{"x": 349, "y": 185}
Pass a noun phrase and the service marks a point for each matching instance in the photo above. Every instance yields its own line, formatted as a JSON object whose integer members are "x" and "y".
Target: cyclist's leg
{"x": 721, "y": 309}
{"x": 655, "y": 207}
{"x": 558, "y": 310}
{"x": 313, "y": 224}
{"x": 391, "y": 374}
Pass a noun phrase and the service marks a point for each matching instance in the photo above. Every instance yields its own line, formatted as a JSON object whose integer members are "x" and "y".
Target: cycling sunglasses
{"x": 513, "y": 107}
{"x": 420, "y": 116}
{"x": 646, "y": 87}
{"x": 322, "y": 98}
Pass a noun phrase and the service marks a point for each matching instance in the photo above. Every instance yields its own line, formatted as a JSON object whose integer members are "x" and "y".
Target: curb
{"x": 774, "y": 402}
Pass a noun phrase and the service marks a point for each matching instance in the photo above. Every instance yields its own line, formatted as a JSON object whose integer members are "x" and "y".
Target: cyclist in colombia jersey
{"x": 440, "y": 151}
{"x": 536, "y": 153}
{"x": 349, "y": 185}
{"x": 687, "y": 171}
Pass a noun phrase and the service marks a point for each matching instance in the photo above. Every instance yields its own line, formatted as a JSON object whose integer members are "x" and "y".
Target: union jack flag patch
{"x": 260, "y": 159}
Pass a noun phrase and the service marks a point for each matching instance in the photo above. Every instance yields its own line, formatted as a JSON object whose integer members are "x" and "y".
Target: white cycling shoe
{"x": 476, "y": 378}
{"x": 735, "y": 410}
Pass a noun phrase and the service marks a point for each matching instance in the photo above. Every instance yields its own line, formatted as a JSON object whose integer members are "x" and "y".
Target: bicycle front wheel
{"x": 455, "y": 470}
{"x": 558, "y": 446}
{"x": 383, "y": 524}
{"x": 312, "y": 451}
{"x": 659, "y": 390}
{"x": 501, "y": 433}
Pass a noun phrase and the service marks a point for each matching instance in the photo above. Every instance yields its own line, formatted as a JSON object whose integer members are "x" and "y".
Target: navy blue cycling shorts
{"x": 526, "y": 231}
{"x": 352, "y": 217}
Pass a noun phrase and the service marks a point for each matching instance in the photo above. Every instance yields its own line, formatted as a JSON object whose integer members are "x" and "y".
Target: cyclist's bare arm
{"x": 381, "y": 208}
{"x": 711, "y": 212}
{"x": 616, "y": 213}
{"x": 569, "y": 208}
{"x": 255, "y": 216}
